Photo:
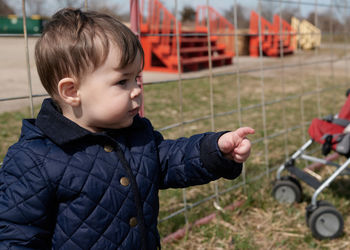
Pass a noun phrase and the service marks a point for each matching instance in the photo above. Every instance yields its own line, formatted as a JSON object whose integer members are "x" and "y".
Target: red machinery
{"x": 158, "y": 38}
{"x": 273, "y": 35}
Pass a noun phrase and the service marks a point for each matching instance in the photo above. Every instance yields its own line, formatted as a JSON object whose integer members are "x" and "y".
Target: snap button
{"x": 124, "y": 181}
{"x": 133, "y": 222}
{"x": 108, "y": 148}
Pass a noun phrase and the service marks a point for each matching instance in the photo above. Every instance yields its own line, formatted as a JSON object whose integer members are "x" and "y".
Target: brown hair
{"x": 74, "y": 41}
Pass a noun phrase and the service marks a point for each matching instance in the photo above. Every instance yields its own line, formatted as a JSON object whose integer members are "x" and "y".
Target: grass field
{"x": 292, "y": 99}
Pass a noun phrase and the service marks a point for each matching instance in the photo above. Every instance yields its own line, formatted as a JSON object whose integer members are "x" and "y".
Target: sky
{"x": 306, "y": 6}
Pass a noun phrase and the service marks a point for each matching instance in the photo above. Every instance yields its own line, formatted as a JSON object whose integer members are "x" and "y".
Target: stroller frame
{"x": 307, "y": 178}
{"x": 323, "y": 219}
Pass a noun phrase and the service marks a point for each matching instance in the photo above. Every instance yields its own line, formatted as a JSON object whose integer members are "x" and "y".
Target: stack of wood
{"x": 243, "y": 42}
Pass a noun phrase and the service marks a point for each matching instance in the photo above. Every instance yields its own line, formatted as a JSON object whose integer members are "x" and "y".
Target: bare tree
{"x": 268, "y": 10}
{"x": 326, "y": 22}
{"x": 5, "y": 9}
{"x": 288, "y": 13}
{"x": 109, "y": 8}
{"x": 188, "y": 14}
{"x": 242, "y": 19}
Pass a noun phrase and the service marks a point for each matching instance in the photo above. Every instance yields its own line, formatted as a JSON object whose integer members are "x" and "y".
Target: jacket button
{"x": 133, "y": 222}
{"x": 108, "y": 148}
{"x": 124, "y": 181}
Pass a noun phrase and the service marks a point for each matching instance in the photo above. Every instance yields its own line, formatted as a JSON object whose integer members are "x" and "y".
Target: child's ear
{"x": 68, "y": 91}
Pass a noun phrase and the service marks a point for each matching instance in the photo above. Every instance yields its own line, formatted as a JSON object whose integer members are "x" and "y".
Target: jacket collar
{"x": 54, "y": 125}
{"x": 61, "y": 130}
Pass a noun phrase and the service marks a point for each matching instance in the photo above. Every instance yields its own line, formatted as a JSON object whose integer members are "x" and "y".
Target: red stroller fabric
{"x": 345, "y": 110}
{"x": 319, "y": 128}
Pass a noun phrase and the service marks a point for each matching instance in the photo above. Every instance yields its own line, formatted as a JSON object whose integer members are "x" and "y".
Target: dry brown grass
{"x": 262, "y": 223}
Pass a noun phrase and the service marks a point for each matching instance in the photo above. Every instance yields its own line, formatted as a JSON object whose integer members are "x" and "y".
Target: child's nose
{"x": 136, "y": 91}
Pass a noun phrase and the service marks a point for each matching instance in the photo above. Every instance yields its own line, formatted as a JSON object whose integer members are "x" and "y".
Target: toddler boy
{"x": 85, "y": 173}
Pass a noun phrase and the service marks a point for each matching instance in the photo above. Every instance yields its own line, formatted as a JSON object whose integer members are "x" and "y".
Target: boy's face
{"x": 110, "y": 96}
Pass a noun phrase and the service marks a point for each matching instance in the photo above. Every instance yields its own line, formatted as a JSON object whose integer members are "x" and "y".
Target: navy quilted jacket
{"x": 62, "y": 187}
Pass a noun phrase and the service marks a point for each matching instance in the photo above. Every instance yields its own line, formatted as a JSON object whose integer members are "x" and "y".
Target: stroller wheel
{"x": 309, "y": 210}
{"x": 286, "y": 191}
{"x": 326, "y": 223}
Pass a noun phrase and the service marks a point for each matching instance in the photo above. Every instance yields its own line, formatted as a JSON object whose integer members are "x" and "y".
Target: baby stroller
{"x": 324, "y": 220}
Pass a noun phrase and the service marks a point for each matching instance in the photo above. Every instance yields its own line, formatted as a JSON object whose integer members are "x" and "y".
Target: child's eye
{"x": 122, "y": 82}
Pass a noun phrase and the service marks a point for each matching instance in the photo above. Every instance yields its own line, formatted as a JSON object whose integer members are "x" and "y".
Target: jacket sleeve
{"x": 25, "y": 207}
{"x": 193, "y": 161}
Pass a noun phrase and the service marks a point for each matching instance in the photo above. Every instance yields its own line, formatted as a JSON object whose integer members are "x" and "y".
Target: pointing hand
{"x": 234, "y": 145}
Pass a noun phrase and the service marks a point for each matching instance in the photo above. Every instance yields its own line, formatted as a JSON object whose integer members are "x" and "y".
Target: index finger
{"x": 244, "y": 131}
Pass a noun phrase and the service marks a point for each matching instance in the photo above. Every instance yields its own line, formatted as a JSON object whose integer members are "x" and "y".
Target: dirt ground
{"x": 14, "y": 79}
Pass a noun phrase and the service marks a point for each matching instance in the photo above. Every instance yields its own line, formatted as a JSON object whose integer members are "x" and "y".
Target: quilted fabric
{"x": 62, "y": 187}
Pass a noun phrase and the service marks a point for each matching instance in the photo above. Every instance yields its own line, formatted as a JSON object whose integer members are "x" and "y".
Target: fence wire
{"x": 242, "y": 113}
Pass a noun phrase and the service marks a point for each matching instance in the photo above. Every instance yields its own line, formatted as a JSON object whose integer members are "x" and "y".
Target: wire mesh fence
{"x": 276, "y": 95}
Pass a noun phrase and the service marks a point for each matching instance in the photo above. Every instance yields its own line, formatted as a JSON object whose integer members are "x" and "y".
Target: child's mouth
{"x": 134, "y": 111}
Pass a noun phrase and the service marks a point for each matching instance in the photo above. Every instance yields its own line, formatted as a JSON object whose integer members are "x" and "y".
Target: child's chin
{"x": 126, "y": 124}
